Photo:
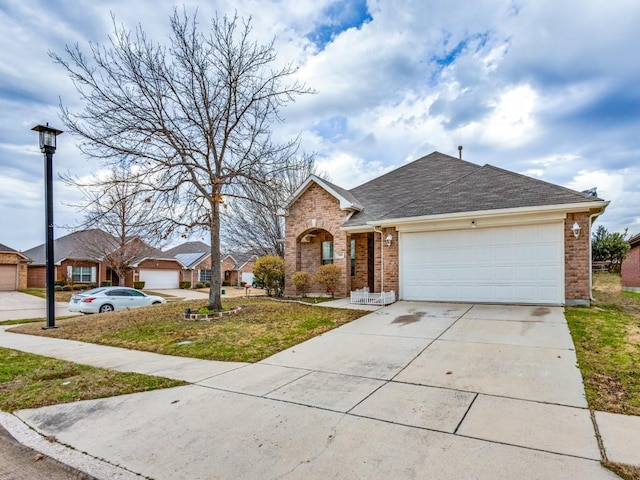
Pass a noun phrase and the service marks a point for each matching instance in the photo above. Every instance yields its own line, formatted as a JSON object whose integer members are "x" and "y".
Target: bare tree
{"x": 254, "y": 224}
{"x": 196, "y": 115}
{"x": 133, "y": 227}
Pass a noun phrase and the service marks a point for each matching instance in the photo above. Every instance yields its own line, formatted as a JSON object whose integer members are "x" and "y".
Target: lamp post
{"x": 48, "y": 147}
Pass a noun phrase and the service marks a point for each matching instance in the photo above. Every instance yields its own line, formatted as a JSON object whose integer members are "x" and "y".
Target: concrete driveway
{"x": 413, "y": 390}
{"x": 18, "y": 306}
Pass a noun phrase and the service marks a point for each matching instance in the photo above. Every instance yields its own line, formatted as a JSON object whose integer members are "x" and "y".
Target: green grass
{"x": 31, "y": 381}
{"x": 259, "y": 329}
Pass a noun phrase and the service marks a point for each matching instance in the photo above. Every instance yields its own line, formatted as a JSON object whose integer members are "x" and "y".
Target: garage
{"x": 160, "y": 278}
{"x": 8, "y": 277}
{"x": 515, "y": 264}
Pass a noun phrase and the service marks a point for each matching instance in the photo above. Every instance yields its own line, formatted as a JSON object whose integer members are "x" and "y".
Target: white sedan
{"x": 108, "y": 299}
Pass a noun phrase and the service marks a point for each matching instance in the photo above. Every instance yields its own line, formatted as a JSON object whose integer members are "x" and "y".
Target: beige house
{"x": 13, "y": 269}
{"x": 444, "y": 229}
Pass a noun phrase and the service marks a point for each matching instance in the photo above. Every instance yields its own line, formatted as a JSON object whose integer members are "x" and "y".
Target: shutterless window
{"x": 353, "y": 258}
{"x": 81, "y": 274}
{"x": 327, "y": 253}
{"x": 205, "y": 276}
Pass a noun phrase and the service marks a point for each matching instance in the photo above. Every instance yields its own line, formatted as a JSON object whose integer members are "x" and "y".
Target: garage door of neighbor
{"x": 159, "y": 278}
{"x": 8, "y": 277}
{"x": 520, "y": 264}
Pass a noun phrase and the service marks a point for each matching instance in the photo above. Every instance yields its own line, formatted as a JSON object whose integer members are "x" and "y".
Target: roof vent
{"x": 592, "y": 192}
{"x": 460, "y": 152}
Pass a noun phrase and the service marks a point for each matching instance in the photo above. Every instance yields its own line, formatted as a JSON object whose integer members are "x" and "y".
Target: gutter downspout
{"x": 375, "y": 229}
{"x": 591, "y": 218}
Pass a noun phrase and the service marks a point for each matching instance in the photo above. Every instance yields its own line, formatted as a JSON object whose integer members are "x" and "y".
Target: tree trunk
{"x": 215, "y": 302}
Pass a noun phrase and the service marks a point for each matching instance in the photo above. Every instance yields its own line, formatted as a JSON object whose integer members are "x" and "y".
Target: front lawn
{"x": 607, "y": 339}
{"x": 31, "y": 381}
{"x": 261, "y": 328}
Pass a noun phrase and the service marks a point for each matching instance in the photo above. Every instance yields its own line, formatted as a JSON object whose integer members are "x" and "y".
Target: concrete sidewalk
{"x": 413, "y": 390}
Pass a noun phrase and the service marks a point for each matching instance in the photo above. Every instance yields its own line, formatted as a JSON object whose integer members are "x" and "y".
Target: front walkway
{"x": 413, "y": 390}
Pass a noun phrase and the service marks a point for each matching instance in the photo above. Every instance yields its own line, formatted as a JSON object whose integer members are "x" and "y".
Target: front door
{"x": 370, "y": 261}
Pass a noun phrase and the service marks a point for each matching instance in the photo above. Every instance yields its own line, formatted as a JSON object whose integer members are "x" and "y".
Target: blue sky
{"x": 545, "y": 88}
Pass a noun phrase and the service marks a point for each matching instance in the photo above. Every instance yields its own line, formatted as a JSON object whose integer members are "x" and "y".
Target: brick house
{"x": 237, "y": 269}
{"x": 631, "y": 266}
{"x": 443, "y": 229}
{"x": 13, "y": 269}
{"x": 77, "y": 261}
{"x": 195, "y": 258}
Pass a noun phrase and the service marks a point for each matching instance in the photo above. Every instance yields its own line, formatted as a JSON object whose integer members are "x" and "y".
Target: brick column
{"x": 576, "y": 260}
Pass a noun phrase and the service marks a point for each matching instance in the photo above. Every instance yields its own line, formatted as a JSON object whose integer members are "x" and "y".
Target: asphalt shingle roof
{"x": 442, "y": 184}
{"x": 4, "y": 248}
{"x": 74, "y": 245}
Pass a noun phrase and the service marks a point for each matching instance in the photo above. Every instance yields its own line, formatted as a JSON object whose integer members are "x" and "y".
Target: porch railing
{"x": 364, "y": 297}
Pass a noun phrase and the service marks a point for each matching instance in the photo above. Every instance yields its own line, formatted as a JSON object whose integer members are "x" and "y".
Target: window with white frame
{"x": 327, "y": 253}
{"x": 204, "y": 275}
{"x": 81, "y": 274}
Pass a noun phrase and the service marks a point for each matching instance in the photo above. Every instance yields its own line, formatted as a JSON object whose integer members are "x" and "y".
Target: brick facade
{"x": 36, "y": 275}
{"x": 577, "y": 289}
{"x": 316, "y": 217}
{"x": 631, "y": 269}
{"x": 11, "y": 258}
{"x": 316, "y": 214}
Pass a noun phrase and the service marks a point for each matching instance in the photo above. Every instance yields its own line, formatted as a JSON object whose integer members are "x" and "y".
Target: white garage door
{"x": 521, "y": 264}
{"x": 160, "y": 278}
{"x": 8, "y": 277}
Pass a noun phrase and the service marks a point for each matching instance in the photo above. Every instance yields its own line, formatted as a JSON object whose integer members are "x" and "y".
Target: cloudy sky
{"x": 548, "y": 88}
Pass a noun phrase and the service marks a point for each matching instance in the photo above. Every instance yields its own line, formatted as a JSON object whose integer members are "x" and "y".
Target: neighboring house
{"x": 13, "y": 269}
{"x": 196, "y": 260}
{"x": 443, "y": 229}
{"x": 631, "y": 266}
{"x": 237, "y": 269}
{"x": 76, "y": 262}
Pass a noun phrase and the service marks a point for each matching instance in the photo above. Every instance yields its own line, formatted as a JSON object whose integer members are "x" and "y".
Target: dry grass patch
{"x": 32, "y": 381}
{"x": 607, "y": 342}
{"x": 261, "y": 328}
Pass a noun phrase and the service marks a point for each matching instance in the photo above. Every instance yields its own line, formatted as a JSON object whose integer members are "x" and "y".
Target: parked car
{"x": 108, "y": 299}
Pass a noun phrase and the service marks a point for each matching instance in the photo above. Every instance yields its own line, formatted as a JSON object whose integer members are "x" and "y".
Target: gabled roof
{"x": 239, "y": 259}
{"x": 190, "y": 260}
{"x": 488, "y": 188}
{"x": 347, "y": 200}
{"x": 5, "y": 249}
{"x": 189, "y": 247}
{"x": 76, "y": 245}
{"x": 439, "y": 184}
{"x": 634, "y": 241}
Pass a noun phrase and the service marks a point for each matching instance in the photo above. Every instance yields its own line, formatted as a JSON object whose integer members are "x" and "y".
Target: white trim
{"x": 345, "y": 204}
{"x": 565, "y": 208}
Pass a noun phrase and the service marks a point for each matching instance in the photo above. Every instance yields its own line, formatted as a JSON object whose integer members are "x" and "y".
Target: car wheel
{"x": 106, "y": 308}
{"x": 156, "y": 303}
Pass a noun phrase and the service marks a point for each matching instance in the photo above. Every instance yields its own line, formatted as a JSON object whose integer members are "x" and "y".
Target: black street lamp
{"x": 48, "y": 147}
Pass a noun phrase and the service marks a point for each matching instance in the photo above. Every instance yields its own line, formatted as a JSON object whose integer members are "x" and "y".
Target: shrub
{"x": 301, "y": 280}
{"x": 226, "y": 284}
{"x": 138, "y": 285}
{"x": 268, "y": 271}
{"x": 199, "y": 285}
{"x": 329, "y": 276}
{"x": 185, "y": 284}
{"x": 58, "y": 288}
{"x": 77, "y": 287}
{"x": 242, "y": 284}
{"x": 106, "y": 283}
{"x": 207, "y": 284}
{"x": 58, "y": 283}
{"x": 67, "y": 288}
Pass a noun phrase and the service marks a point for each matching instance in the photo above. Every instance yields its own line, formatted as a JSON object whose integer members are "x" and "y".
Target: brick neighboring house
{"x": 237, "y": 268}
{"x": 631, "y": 266}
{"x": 443, "y": 229}
{"x": 196, "y": 260}
{"x": 13, "y": 269}
{"x": 76, "y": 263}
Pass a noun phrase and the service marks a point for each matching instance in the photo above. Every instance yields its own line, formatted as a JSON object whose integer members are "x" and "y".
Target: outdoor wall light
{"x": 576, "y": 230}
{"x": 473, "y": 224}
{"x": 48, "y": 147}
{"x": 389, "y": 239}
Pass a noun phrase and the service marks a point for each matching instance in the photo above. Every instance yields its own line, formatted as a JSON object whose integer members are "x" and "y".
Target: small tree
{"x": 269, "y": 272}
{"x": 301, "y": 280}
{"x": 329, "y": 276}
{"x": 610, "y": 247}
